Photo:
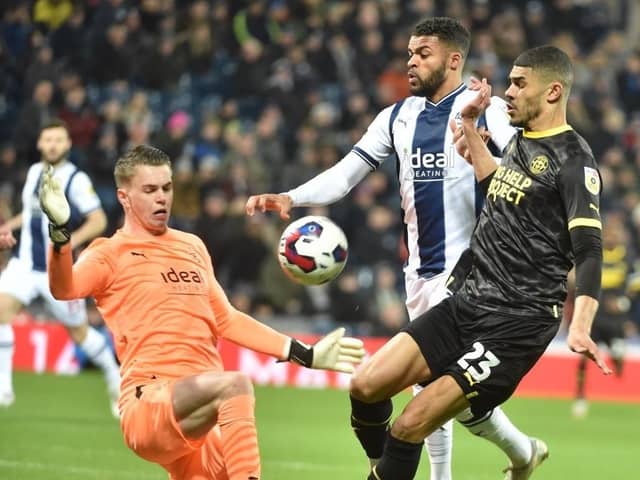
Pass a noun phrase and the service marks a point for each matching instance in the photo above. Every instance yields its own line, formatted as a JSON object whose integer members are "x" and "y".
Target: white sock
{"x": 439, "y": 445}
{"x": 498, "y": 429}
{"x": 98, "y": 351}
{"x": 6, "y": 357}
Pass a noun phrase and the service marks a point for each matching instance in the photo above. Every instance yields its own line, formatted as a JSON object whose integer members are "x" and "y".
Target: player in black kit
{"x": 540, "y": 218}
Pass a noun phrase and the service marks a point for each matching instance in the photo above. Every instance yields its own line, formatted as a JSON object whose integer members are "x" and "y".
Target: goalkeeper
{"x": 156, "y": 289}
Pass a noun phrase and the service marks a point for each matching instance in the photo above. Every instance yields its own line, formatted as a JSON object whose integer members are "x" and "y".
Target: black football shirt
{"x": 547, "y": 184}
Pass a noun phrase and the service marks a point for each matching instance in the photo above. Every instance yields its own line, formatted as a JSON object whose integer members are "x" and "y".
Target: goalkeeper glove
{"x": 55, "y": 206}
{"x": 332, "y": 352}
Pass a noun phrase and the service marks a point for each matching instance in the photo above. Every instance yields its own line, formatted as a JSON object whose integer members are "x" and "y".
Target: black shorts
{"x": 486, "y": 352}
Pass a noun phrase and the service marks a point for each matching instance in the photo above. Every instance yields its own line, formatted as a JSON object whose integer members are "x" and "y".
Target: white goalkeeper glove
{"x": 332, "y": 352}
{"x": 55, "y": 206}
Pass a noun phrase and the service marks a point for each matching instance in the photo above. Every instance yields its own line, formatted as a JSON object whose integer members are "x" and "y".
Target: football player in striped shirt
{"x": 25, "y": 276}
{"x": 440, "y": 202}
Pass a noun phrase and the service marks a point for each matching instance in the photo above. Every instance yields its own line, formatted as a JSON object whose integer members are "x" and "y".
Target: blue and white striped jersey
{"x": 34, "y": 235}
{"x": 439, "y": 196}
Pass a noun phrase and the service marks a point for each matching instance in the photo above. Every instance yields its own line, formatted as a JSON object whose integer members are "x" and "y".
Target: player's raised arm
{"x": 66, "y": 282}
{"x": 478, "y": 154}
{"x": 499, "y": 128}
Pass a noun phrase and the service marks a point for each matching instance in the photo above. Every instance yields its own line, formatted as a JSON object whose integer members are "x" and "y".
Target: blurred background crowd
{"x": 260, "y": 95}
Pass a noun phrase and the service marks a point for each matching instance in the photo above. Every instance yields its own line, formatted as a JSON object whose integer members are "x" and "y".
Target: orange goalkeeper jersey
{"x": 161, "y": 301}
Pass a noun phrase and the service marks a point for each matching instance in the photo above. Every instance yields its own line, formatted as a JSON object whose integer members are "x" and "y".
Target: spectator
{"x": 31, "y": 118}
{"x": 162, "y": 66}
{"x": 112, "y": 60}
{"x": 174, "y": 137}
{"x": 51, "y": 14}
{"x": 70, "y": 40}
{"x": 43, "y": 67}
{"x": 81, "y": 120}
{"x": 350, "y": 302}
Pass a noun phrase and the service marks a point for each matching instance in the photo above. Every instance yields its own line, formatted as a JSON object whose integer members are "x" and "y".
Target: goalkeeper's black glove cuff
{"x": 300, "y": 353}
{"x": 59, "y": 235}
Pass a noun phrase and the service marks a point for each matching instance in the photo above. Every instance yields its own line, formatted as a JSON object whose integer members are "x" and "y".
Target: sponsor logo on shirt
{"x": 184, "y": 276}
{"x": 508, "y": 184}
{"x": 429, "y": 166}
{"x": 184, "y": 282}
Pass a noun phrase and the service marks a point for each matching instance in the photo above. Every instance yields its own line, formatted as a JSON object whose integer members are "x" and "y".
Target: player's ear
{"x": 67, "y": 143}
{"x": 554, "y": 92}
{"x": 123, "y": 198}
{"x": 456, "y": 62}
{"x": 39, "y": 144}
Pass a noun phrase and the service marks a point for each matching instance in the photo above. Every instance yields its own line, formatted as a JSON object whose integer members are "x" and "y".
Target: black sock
{"x": 399, "y": 461}
{"x": 369, "y": 422}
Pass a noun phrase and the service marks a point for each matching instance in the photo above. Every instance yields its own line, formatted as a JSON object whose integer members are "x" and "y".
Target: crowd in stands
{"x": 259, "y": 95}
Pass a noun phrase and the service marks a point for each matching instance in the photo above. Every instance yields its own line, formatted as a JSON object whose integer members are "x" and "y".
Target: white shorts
{"x": 424, "y": 293}
{"x": 24, "y": 284}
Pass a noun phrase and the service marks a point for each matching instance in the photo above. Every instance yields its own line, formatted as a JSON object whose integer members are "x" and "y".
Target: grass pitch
{"x": 60, "y": 428}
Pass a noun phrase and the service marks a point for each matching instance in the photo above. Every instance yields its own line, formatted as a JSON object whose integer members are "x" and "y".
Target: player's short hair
{"x": 141, "y": 155}
{"x": 54, "y": 123}
{"x": 449, "y": 30}
{"x": 550, "y": 63}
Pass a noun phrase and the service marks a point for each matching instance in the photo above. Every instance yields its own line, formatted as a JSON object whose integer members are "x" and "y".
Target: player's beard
{"x": 429, "y": 86}
{"x": 525, "y": 116}
{"x": 55, "y": 160}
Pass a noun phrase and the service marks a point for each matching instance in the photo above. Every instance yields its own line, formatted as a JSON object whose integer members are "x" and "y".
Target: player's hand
{"x": 52, "y": 200}
{"x": 55, "y": 206}
{"x": 7, "y": 240}
{"x": 480, "y": 102}
{"x": 474, "y": 83}
{"x": 581, "y": 342}
{"x": 334, "y": 351}
{"x": 278, "y": 202}
{"x": 460, "y": 141}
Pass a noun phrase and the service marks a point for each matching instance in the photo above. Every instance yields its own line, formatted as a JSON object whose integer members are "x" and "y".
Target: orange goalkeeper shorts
{"x": 151, "y": 430}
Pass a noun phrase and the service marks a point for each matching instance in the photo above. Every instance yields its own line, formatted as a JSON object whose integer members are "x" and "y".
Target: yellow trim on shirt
{"x": 585, "y": 222}
{"x": 547, "y": 133}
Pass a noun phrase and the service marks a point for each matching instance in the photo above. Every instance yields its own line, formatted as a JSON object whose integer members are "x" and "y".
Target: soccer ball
{"x": 312, "y": 250}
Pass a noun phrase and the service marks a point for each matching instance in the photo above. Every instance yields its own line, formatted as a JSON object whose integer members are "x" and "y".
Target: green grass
{"x": 60, "y": 428}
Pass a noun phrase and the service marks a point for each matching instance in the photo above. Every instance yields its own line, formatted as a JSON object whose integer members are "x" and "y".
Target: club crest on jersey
{"x": 539, "y": 164}
{"x": 592, "y": 180}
